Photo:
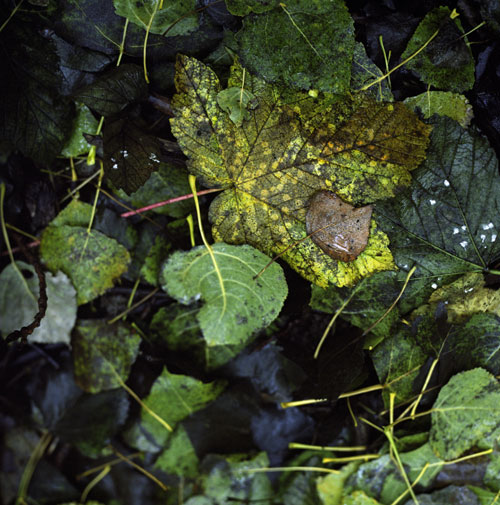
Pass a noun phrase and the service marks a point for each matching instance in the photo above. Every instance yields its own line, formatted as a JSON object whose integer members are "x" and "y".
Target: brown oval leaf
{"x": 337, "y": 227}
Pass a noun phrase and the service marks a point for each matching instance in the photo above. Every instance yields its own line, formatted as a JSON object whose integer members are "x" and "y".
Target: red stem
{"x": 166, "y": 202}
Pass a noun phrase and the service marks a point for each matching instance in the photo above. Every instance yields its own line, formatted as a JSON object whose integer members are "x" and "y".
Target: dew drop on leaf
{"x": 338, "y": 228}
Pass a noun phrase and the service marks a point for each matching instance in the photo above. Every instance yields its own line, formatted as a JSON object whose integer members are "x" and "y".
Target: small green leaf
{"x": 465, "y": 414}
{"x": 114, "y": 90}
{"x": 359, "y": 498}
{"x": 179, "y": 457}
{"x": 84, "y": 122}
{"x": 18, "y": 308}
{"x": 98, "y": 346}
{"x": 235, "y": 101}
{"x": 446, "y": 63}
{"x": 236, "y": 304}
{"x": 443, "y": 103}
{"x": 173, "y": 398}
{"x": 92, "y": 261}
{"x": 176, "y": 17}
{"x": 307, "y": 44}
{"x": 130, "y": 154}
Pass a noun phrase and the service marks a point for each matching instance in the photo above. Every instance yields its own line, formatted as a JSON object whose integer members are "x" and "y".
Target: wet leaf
{"x": 115, "y": 90}
{"x": 175, "y": 17}
{"x": 444, "y": 224}
{"x": 446, "y": 63}
{"x": 303, "y": 43}
{"x": 130, "y": 154}
{"x": 466, "y": 414}
{"x": 92, "y": 261}
{"x": 98, "y": 346}
{"x": 34, "y": 118}
{"x": 18, "y": 308}
{"x": 361, "y": 150}
{"x": 174, "y": 397}
{"x": 235, "y": 304}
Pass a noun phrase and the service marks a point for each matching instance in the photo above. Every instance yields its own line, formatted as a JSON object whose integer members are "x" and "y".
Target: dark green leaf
{"x": 244, "y": 7}
{"x": 303, "y": 43}
{"x": 167, "y": 182}
{"x": 98, "y": 346}
{"x": 130, "y": 154}
{"x": 93, "y": 420}
{"x": 448, "y": 222}
{"x": 34, "y": 117}
{"x": 446, "y": 63}
{"x": 116, "y": 89}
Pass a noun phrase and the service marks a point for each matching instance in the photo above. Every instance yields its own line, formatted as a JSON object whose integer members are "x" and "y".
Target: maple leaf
{"x": 293, "y": 145}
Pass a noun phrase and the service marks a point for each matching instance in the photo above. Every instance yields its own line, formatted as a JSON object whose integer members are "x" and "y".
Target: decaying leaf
{"x": 293, "y": 145}
{"x": 338, "y": 228}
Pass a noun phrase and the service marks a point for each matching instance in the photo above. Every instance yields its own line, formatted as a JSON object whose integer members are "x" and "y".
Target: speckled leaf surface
{"x": 235, "y": 304}
{"x": 174, "y": 397}
{"x": 466, "y": 414}
{"x": 292, "y": 146}
{"x": 301, "y": 43}
{"x": 98, "y": 349}
{"x": 448, "y": 222}
{"x": 18, "y": 309}
{"x": 92, "y": 261}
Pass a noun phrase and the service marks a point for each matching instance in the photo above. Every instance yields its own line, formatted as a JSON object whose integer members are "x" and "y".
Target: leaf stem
{"x": 192, "y": 184}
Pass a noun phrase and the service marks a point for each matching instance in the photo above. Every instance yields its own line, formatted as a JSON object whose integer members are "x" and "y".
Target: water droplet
{"x": 463, "y": 227}
{"x": 434, "y": 285}
{"x": 432, "y": 202}
{"x": 446, "y": 182}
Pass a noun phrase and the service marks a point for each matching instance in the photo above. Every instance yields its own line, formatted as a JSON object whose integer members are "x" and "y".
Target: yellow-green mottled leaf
{"x": 92, "y": 261}
{"x": 293, "y": 145}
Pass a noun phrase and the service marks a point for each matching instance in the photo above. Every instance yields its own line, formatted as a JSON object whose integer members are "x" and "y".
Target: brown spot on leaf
{"x": 337, "y": 227}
